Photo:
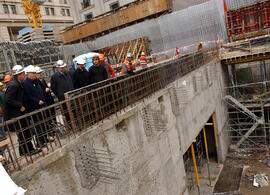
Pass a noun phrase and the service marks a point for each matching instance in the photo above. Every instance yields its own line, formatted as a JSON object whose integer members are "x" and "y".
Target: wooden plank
{"x": 4, "y": 142}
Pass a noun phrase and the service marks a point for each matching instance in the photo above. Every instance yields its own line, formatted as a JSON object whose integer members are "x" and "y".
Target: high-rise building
{"x": 87, "y": 9}
{"x": 12, "y": 18}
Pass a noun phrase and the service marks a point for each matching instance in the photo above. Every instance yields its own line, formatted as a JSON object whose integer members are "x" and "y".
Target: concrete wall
{"x": 183, "y": 4}
{"x": 139, "y": 151}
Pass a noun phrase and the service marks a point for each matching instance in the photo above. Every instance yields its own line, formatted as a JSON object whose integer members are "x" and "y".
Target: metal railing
{"x": 54, "y": 126}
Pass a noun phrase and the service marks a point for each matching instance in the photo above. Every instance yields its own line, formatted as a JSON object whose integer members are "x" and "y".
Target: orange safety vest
{"x": 126, "y": 67}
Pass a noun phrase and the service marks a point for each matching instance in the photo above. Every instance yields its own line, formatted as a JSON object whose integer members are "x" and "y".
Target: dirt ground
{"x": 255, "y": 166}
{"x": 251, "y": 162}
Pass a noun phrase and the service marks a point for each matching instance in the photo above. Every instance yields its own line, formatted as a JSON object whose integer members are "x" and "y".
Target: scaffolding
{"x": 248, "y": 104}
{"x": 39, "y": 53}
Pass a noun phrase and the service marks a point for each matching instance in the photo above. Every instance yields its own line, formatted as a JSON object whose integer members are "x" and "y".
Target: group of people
{"x": 27, "y": 91}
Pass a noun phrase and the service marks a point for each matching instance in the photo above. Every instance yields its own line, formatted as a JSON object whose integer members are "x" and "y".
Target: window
{"x": 88, "y": 16}
{"x": 114, "y": 5}
{"x": 65, "y": 1}
{"x": 6, "y": 10}
{"x": 85, "y": 3}
{"x": 68, "y": 12}
{"x": 49, "y": 0}
{"x": 13, "y": 9}
{"x": 63, "y": 13}
{"x": 47, "y": 11}
{"x": 52, "y": 11}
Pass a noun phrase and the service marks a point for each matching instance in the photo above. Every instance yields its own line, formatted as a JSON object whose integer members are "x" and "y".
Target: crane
{"x": 32, "y": 11}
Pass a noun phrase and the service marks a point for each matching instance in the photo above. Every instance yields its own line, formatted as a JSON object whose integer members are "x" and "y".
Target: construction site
{"x": 195, "y": 121}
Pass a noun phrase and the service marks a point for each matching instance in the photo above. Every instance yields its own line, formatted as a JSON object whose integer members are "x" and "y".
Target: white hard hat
{"x": 129, "y": 55}
{"x": 39, "y": 70}
{"x": 60, "y": 64}
{"x": 30, "y": 68}
{"x": 80, "y": 61}
{"x": 17, "y": 69}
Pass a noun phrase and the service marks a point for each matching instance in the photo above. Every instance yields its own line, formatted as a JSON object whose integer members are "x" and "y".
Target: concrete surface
{"x": 135, "y": 152}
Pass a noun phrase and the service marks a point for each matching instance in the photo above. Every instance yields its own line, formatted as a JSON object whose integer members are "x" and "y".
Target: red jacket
{"x": 143, "y": 61}
{"x": 109, "y": 69}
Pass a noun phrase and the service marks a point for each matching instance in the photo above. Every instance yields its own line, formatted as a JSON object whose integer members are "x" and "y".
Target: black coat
{"x": 97, "y": 74}
{"x": 14, "y": 99}
{"x": 48, "y": 96}
{"x": 61, "y": 83}
{"x": 34, "y": 94}
{"x": 80, "y": 78}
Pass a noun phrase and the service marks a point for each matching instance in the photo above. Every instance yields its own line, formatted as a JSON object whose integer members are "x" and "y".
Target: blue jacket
{"x": 33, "y": 94}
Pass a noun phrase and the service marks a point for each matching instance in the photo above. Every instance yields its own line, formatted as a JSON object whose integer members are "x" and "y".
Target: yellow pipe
{"x": 195, "y": 165}
{"x": 205, "y": 144}
{"x": 207, "y": 156}
{"x": 215, "y": 129}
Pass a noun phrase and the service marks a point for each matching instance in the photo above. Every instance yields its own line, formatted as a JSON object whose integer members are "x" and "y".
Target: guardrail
{"x": 54, "y": 126}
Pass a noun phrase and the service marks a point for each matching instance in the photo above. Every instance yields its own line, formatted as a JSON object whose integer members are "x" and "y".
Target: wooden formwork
{"x": 249, "y": 21}
{"x": 116, "y": 19}
{"x": 119, "y": 51}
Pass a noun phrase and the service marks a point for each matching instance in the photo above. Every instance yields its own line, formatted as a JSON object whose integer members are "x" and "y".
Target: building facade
{"x": 87, "y": 9}
{"x": 12, "y": 18}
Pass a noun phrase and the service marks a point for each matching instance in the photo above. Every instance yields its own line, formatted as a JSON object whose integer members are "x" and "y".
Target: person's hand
{"x": 22, "y": 109}
{"x": 41, "y": 102}
{"x": 47, "y": 90}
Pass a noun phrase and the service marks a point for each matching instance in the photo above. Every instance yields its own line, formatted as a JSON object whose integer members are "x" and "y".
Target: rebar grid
{"x": 57, "y": 124}
{"x": 200, "y": 155}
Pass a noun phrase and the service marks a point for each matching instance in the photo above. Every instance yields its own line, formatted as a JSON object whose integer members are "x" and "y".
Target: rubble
{"x": 260, "y": 180}
{"x": 266, "y": 161}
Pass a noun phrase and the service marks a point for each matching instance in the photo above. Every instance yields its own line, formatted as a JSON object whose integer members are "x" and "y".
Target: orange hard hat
{"x": 7, "y": 78}
{"x": 101, "y": 57}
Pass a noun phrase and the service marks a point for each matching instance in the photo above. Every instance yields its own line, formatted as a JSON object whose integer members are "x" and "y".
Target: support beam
{"x": 238, "y": 105}
{"x": 254, "y": 126}
{"x": 195, "y": 167}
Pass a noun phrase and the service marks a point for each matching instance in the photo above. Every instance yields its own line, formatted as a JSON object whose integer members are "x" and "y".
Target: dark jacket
{"x": 48, "y": 96}
{"x": 2, "y": 97}
{"x": 61, "y": 83}
{"x": 80, "y": 78}
{"x": 97, "y": 74}
{"x": 14, "y": 99}
{"x": 33, "y": 94}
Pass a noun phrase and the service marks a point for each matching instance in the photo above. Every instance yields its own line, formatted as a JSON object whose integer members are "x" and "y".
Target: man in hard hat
{"x": 129, "y": 66}
{"x": 35, "y": 101}
{"x": 107, "y": 66}
{"x": 80, "y": 76}
{"x": 61, "y": 82}
{"x": 200, "y": 46}
{"x": 143, "y": 60}
{"x": 14, "y": 106}
{"x": 97, "y": 73}
{"x": 6, "y": 80}
{"x": 46, "y": 90}
{"x": 50, "y": 114}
